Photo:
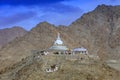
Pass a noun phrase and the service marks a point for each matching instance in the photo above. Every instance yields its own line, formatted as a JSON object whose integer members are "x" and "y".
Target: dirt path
{"x": 115, "y": 65}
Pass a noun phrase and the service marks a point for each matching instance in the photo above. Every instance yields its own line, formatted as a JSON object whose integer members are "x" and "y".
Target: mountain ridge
{"x": 9, "y": 34}
{"x": 98, "y": 31}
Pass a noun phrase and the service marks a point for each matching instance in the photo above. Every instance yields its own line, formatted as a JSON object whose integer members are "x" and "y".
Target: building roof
{"x": 80, "y": 49}
{"x": 61, "y": 48}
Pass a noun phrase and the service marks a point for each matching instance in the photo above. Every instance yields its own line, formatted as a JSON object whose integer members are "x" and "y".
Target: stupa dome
{"x": 58, "y": 44}
{"x": 58, "y": 40}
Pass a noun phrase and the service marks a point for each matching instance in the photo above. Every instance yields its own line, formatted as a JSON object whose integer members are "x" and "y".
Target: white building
{"x": 80, "y": 50}
{"x": 58, "y": 45}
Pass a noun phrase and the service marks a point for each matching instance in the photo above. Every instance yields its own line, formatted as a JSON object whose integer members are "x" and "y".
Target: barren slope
{"x": 34, "y": 69}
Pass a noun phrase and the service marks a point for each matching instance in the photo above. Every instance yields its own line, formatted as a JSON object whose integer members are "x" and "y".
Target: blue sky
{"x": 28, "y": 13}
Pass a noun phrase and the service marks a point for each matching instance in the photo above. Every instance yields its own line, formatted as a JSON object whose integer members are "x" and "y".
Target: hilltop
{"x": 9, "y": 34}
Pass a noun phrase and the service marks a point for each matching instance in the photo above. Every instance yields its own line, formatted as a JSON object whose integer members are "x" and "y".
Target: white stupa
{"x": 58, "y": 44}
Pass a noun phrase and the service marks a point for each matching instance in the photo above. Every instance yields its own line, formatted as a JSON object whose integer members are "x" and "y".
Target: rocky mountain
{"x": 8, "y": 34}
{"x": 98, "y": 31}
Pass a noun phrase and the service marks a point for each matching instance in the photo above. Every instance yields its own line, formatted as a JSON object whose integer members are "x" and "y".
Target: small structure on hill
{"x": 52, "y": 68}
{"x": 80, "y": 50}
{"x": 58, "y": 45}
{"x": 37, "y": 54}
